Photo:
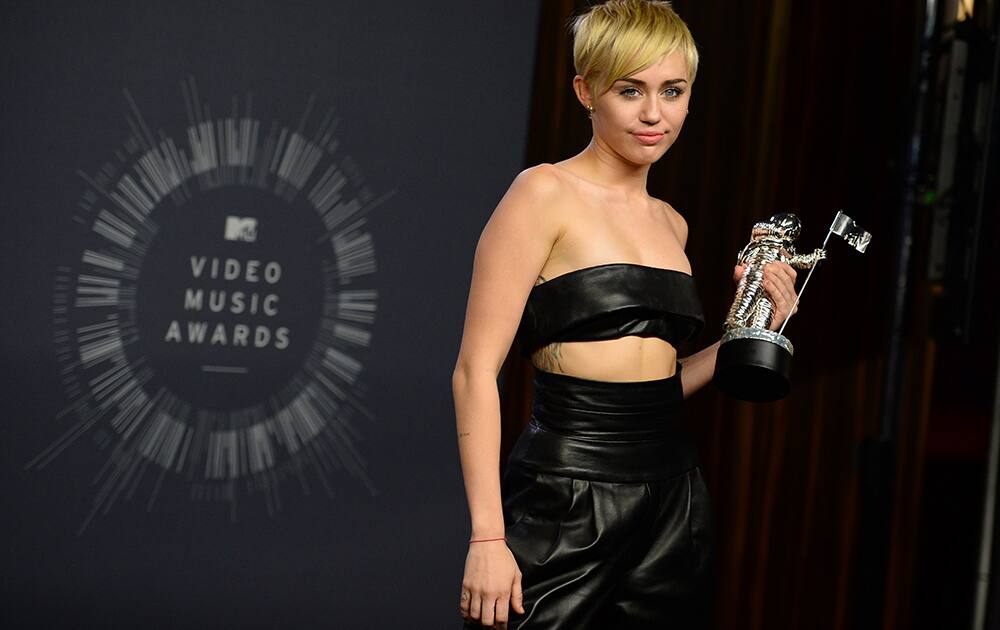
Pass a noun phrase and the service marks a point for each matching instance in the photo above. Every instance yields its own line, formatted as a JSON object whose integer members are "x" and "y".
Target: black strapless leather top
{"x": 610, "y": 301}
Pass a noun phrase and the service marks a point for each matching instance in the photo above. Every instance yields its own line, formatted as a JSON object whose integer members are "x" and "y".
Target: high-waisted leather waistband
{"x": 605, "y": 430}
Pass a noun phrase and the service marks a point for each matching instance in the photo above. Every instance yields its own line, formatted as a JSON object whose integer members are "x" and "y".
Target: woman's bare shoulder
{"x": 542, "y": 180}
{"x": 675, "y": 218}
{"x": 539, "y": 191}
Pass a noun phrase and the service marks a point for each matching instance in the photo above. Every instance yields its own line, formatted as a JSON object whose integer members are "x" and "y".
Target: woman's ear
{"x": 583, "y": 93}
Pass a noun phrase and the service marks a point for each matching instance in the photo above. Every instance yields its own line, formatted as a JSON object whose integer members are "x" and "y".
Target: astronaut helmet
{"x": 787, "y": 225}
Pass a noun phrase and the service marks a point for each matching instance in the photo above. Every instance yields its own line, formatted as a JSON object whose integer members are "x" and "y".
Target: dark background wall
{"x": 360, "y": 526}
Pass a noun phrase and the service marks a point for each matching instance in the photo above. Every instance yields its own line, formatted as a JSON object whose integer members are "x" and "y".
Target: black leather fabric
{"x": 606, "y": 509}
{"x": 606, "y": 431}
{"x": 610, "y": 301}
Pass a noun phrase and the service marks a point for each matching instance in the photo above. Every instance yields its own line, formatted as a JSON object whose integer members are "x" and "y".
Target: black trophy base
{"x": 755, "y": 370}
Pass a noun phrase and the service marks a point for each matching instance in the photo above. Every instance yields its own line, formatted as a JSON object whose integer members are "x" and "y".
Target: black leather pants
{"x": 606, "y": 510}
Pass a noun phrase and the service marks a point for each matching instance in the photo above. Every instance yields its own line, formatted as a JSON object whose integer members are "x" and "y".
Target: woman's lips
{"x": 648, "y": 137}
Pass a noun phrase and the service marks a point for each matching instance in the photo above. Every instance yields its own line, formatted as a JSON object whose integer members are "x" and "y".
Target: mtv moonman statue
{"x": 770, "y": 241}
{"x": 753, "y": 363}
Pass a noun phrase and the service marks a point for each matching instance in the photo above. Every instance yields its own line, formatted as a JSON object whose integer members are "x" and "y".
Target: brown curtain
{"x": 802, "y": 107}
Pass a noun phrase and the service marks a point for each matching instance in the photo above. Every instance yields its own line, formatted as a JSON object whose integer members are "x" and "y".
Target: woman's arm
{"x": 697, "y": 369}
{"x": 511, "y": 252}
{"x": 779, "y": 282}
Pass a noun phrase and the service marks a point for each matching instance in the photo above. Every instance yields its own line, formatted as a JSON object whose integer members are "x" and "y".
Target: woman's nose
{"x": 650, "y": 112}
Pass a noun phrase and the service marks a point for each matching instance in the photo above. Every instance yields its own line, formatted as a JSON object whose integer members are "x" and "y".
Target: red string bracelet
{"x": 504, "y": 538}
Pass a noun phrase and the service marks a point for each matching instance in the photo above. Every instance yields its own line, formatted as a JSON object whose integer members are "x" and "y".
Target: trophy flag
{"x": 845, "y": 227}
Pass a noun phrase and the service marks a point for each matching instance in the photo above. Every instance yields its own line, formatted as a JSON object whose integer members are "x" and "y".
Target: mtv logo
{"x": 241, "y": 229}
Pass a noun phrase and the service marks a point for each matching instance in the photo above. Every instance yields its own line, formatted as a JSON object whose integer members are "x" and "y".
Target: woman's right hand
{"x": 491, "y": 584}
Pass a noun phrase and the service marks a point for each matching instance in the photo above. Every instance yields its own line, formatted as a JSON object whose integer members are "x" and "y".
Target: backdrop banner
{"x": 238, "y": 239}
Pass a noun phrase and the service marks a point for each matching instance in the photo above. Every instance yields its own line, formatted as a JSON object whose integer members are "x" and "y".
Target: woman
{"x": 604, "y": 520}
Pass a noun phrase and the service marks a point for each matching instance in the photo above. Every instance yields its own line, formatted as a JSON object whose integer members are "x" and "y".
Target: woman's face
{"x": 642, "y": 114}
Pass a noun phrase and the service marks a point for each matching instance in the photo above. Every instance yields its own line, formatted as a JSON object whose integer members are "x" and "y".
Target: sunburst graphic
{"x": 212, "y": 327}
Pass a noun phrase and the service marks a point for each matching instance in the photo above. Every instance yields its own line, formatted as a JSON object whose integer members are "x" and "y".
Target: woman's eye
{"x": 629, "y": 92}
{"x": 673, "y": 92}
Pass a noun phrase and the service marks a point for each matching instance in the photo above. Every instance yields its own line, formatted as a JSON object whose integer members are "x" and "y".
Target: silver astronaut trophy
{"x": 754, "y": 363}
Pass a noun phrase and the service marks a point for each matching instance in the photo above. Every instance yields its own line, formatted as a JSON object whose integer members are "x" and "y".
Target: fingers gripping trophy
{"x": 753, "y": 362}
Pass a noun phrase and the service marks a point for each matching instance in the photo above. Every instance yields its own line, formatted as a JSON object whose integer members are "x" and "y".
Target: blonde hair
{"x": 618, "y": 38}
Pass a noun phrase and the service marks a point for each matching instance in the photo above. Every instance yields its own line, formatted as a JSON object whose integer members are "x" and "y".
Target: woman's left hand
{"x": 779, "y": 282}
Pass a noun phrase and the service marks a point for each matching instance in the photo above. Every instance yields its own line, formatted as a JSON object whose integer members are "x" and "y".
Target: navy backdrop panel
{"x": 237, "y": 241}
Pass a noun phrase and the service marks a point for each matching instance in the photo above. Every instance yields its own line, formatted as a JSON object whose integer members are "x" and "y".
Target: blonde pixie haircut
{"x": 621, "y": 37}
